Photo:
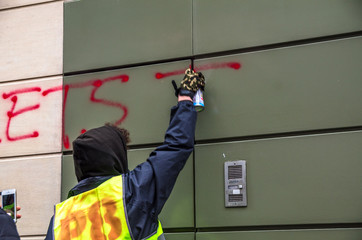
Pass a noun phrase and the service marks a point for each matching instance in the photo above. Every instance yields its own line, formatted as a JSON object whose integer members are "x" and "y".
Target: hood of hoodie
{"x": 100, "y": 152}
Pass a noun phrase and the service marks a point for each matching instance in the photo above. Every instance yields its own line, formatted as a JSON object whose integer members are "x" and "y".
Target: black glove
{"x": 191, "y": 82}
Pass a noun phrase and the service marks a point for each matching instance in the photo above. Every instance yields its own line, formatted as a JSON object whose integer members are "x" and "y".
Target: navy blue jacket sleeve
{"x": 49, "y": 235}
{"x": 149, "y": 185}
{"x": 8, "y": 229}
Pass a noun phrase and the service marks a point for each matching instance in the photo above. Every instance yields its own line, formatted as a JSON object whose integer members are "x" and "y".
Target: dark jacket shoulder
{"x": 8, "y": 229}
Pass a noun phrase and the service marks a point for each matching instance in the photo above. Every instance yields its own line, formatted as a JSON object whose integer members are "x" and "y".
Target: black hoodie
{"x": 100, "y": 152}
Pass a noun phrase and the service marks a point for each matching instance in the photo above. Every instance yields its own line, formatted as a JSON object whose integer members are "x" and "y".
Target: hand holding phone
{"x": 8, "y": 201}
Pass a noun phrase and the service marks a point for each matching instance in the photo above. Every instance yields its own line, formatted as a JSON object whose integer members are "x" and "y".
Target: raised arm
{"x": 150, "y": 184}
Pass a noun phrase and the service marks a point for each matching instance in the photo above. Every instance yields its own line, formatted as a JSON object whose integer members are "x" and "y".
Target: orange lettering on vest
{"x": 96, "y": 220}
{"x": 75, "y": 222}
{"x": 69, "y": 232}
{"x": 116, "y": 226}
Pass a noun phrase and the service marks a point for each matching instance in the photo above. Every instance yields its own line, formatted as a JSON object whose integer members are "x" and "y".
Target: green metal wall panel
{"x": 233, "y": 24}
{"x": 330, "y": 234}
{"x": 69, "y": 179}
{"x": 180, "y": 236}
{"x": 292, "y": 180}
{"x": 314, "y": 86}
{"x": 138, "y": 99}
{"x": 108, "y": 33}
{"x": 178, "y": 211}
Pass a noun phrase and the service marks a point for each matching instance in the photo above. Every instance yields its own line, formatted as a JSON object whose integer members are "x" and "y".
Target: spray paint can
{"x": 199, "y": 101}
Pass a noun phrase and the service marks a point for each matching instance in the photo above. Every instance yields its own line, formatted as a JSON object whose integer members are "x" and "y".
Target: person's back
{"x": 111, "y": 202}
{"x": 91, "y": 210}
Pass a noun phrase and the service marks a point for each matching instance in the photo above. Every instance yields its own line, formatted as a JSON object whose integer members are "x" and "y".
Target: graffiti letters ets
{"x": 16, "y": 94}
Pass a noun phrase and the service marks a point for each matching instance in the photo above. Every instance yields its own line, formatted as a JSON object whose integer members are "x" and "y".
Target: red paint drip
{"x": 66, "y": 141}
{"x": 65, "y": 137}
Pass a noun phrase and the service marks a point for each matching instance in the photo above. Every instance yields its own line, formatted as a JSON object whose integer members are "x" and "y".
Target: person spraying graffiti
{"x": 111, "y": 202}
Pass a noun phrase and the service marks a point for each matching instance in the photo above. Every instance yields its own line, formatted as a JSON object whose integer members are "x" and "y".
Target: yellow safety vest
{"x": 96, "y": 215}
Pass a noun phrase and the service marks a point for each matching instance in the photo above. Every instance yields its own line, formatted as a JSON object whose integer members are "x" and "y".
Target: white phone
{"x": 9, "y": 202}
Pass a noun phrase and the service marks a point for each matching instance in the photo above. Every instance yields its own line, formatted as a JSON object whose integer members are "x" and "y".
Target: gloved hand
{"x": 191, "y": 82}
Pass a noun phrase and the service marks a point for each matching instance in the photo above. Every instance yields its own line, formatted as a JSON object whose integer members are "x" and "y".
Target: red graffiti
{"x": 95, "y": 86}
{"x": 232, "y": 65}
{"x": 163, "y": 75}
{"x": 65, "y": 137}
{"x": 12, "y": 113}
{"x": 24, "y": 90}
{"x": 53, "y": 89}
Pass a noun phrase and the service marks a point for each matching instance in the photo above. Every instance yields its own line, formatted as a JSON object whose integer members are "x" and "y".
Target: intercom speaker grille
{"x": 236, "y": 198}
{"x": 235, "y": 183}
{"x": 235, "y": 172}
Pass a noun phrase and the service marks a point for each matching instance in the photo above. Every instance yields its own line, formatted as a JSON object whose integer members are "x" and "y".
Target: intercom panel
{"x": 235, "y": 184}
